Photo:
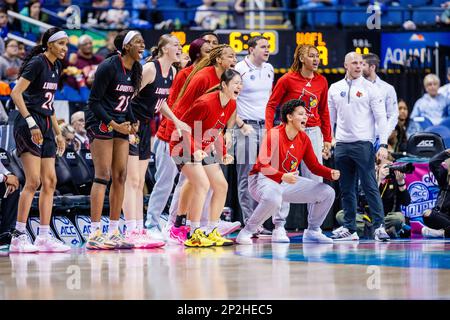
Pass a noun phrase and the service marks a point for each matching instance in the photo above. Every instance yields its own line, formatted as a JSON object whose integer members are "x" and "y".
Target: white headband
{"x": 130, "y": 35}
{"x": 57, "y": 36}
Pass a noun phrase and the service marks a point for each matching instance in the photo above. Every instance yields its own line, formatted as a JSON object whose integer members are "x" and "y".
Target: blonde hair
{"x": 431, "y": 77}
{"x": 300, "y": 51}
{"x": 157, "y": 52}
{"x": 210, "y": 60}
{"x": 66, "y": 129}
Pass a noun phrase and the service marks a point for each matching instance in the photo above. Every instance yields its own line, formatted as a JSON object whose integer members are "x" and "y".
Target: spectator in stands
{"x": 108, "y": 48}
{"x": 433, "y": 106}
{"x": 68, "y": 132}
{"x": 437, "y": 220}
{"x": 22, "y": 51}
{"x": 14, "y": 24}
{"x": 78, "y": 124}
{"x": 118, "y": 18}
{"x": 84, "y": 60}
{"x": 4, "y": 28}
{"x": 371, "y": 64}
{"x": 33, "y": 10}
{"x": 206, "y": 17}
{"x": 238, "y": 9}
{"x": 393, "y": 194}
{"x": 398, "y": 139}
{"x": 357, "y": 110}
{"x": 445, "y": 89}
{"x": 10, "y": 62}
{"x": 444, "y": 18}
{"x": 97, "y": 16}
{"x": 9, "y": 194}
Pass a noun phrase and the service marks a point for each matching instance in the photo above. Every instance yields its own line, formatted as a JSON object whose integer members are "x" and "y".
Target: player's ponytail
{"x": 40, "y": 48}
{"x": 156, "y": 51}
{"x": 205, "y": 62}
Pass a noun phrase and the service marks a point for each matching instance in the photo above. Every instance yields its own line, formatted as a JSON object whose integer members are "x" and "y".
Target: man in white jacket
{"x": 357, "y": 108}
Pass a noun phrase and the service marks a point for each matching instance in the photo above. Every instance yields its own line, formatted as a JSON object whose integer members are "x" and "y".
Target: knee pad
{"x": 101, "y": 181}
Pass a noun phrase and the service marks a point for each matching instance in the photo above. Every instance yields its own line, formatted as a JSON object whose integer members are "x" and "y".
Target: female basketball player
{"x": 166, "y": 169}
{"x": 198, "y": 157}
{"x": 206, "y": 74}
{"x": 109, "y": 121}
{"x": 35, "y": 132}
{"x": 274, "y": 181}
{"x": 157, "y": 78}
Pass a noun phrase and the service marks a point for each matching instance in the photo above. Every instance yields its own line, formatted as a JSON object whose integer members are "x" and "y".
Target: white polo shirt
{"x": 357, "y": 108}
{"x": 256, "y": 89}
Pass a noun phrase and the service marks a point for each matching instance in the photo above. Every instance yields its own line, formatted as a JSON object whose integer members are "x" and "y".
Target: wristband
{"x": 402, "y": 185}
{"x": 31, "y": 123}
{"x": 383, "y": 145}
{"x": 240, "y": 127}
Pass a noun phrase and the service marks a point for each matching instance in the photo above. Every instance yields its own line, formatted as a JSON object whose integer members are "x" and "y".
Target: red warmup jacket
{"x": 208, "y": 113}
{"x": 314, "y": 92}
{"x": 279, "y": 155}
{"x": 199, "y": 84}
{"x": 175, "y": 89}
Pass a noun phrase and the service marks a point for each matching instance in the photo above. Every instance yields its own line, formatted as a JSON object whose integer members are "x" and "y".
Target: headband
{"x": 57, "y": 36}
{"x": 130, "y": 35}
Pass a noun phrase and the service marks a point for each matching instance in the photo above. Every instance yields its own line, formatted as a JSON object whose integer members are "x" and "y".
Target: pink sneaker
{"x": 50, "y": 244}
{"x": 179, "y": 234}
{"x": 135, "y": 238}
{"x": 416, "y": 227}
{"x": 148, "y": 242}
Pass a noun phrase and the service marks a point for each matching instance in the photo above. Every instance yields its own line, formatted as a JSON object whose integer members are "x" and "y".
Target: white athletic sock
{"x": 194, "y": 225}
{"x": 95, "y": 226}
{"x": 113, "y": 226}
{"x": 212, "y": 225}
{"x": 44, "y": 231}
{"x": 140, "y": 224}
{"x": 21, "y": 226}
{"x": 131, "y": 225}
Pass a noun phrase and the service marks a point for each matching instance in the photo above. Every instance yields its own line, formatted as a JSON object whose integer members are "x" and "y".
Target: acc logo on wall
{"x": 84, "y": 226}
{"x": 34, "y": 223}
{"x": 66, "y": 231}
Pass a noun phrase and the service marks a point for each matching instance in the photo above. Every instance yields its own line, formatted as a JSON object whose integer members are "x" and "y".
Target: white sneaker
{"x": 21, "y": 243}
{"x": 225, "y": 227}
{"x": 343, "y": 234}
{"x": 244, "y": 237}
{"x": 155, "y": 234}
{"x": 381, "y": 234}
{"x": 315, "y": 236}
{"x": 279, "y": 235}
{"x": 432, "y": 233}
{"x": 50, "y": 244}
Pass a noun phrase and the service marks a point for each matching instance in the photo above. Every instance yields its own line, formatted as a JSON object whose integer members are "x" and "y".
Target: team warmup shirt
{"x": 111, "y": 93}
{"x": 199, "y": 84}
{"x": 279, "y": 155}
{"x": 43, "y": 76}
{"x": 177, "y": 85}
{"x": 208, "y": 115}
{"x": 314, "y": 92}
{"x": 151, "y": 97}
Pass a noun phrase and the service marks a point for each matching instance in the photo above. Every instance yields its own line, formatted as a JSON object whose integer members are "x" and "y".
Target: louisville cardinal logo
{"x": 290, "y": 163}
{"x": 310, "y": 100}
{"x": 211, "y": 134}
{"x": 359, "y": 94}
{"x": 104, "y": 128}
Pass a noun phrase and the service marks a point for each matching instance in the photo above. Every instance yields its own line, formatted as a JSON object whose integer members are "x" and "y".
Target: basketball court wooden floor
{"x": 401, "y": 269}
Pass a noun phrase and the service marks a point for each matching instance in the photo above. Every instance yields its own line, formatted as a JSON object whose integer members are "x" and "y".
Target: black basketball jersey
{"x": 111, "y": 92}
{"x": 43, "y": 76}
{"x": 153, "y": 94}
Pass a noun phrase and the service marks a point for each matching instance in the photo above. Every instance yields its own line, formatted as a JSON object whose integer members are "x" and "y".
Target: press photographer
{"x": 437, "y": 220}
{"x": 392, "y": 186}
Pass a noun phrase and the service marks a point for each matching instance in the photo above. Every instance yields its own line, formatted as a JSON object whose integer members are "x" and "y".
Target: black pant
{"x": 8, "y": 209}
{"x": 438, "y": 220}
